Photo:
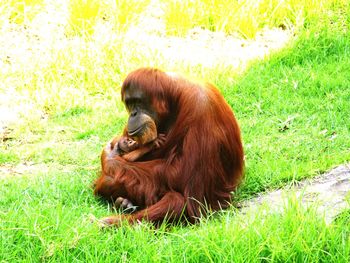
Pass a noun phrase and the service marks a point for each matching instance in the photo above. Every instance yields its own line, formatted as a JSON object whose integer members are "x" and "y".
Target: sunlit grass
{"x": 292, "y": 108}
{"x": 128, "y": 13}
{"x": 276, "y": 102}
{"x": 245, "y": 17}
{"x": 21, "y": 11}
{"x": 84, "y": 15}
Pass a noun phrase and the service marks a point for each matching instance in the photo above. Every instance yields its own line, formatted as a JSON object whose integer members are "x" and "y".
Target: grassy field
{"x": 293, "y": 108}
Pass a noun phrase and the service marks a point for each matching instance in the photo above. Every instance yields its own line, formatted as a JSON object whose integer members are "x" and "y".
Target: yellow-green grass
{"x": 84, "y": 15}
{"x": 293, "y": 109}
{"x": 246, "y": 17}
{"x": 21, "y": 11}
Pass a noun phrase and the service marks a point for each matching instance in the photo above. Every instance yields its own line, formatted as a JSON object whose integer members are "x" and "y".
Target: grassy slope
{"x": 294, "y": 112}
{"x": 47, "y": 216}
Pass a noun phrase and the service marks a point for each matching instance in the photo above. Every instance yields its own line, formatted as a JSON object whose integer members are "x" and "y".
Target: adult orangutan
{"x": 180, "y": 154}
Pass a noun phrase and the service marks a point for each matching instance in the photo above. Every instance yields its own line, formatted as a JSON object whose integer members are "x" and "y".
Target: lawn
{"x": 59, "y": 86}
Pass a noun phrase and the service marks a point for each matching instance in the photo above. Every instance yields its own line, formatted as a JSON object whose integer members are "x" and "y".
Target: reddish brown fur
{"x": 199, "y": 164}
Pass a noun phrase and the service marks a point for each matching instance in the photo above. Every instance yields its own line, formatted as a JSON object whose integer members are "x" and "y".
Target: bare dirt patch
{"x": 204, "y": 47}
{"x": 329, "y": 192}
{"x": 22, "y": 169}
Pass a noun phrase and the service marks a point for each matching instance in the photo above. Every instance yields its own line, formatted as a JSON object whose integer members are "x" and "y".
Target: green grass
{"x": 294, "y": 111}
{"x": 293, "y": 108}
{"x": 50, "y": 221}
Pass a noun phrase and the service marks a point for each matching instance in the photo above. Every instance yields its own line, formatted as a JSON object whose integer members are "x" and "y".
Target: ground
{"x": 327, "y": 191}
{"x": 21, "y": 46}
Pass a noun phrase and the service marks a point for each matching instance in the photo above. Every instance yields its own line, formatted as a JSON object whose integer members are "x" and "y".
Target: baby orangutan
{"x": 133, "y": 148}
{"x": 130, "y": 150}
